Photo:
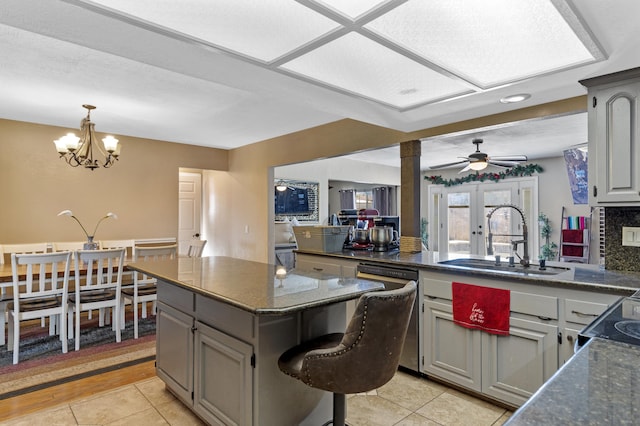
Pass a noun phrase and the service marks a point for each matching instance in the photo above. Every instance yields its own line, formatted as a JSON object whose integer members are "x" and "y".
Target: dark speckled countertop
{"x": 580, "y": 276}
{"x": 600, "y": 385}
{"x": 255, "y": 287}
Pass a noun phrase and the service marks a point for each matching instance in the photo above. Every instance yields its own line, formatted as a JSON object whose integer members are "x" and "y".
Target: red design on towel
{"x": 483, "y": 308}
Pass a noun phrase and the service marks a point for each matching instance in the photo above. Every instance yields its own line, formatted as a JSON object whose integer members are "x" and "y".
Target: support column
{"x": 410, "y": 239}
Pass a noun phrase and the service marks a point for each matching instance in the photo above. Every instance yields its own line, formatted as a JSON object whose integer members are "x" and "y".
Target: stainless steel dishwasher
{"x": 396, "y": 277}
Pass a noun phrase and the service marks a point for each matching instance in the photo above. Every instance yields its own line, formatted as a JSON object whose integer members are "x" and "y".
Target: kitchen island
{"x": 222, "y": 323}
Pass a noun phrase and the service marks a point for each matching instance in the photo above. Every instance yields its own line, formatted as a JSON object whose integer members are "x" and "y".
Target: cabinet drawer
{"x": 225, "y": 318}
{"x": 177, "y": 297}
{"x": 440, "y": 289}
{"x": 582, "y": 312}
{"x": 322, "y": 267}
{"x": 534, "y": 304}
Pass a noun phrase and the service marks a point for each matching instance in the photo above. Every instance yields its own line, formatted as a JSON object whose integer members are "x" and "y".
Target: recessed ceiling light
{"x": 515, "y": 98}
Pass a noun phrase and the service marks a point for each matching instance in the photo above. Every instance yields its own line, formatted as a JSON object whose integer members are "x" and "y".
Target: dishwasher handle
{"x": 373, "y": 277}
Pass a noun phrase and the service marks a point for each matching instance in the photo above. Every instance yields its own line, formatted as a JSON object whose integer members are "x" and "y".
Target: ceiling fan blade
{"x": 467, "y": 168}
{"x": 442, "y": 166}
{"x": 503, "y": 163}
{"x": 509, "y": 158}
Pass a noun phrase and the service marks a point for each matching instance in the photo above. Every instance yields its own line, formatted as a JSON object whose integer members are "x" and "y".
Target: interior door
{"x": 189, "y": 208}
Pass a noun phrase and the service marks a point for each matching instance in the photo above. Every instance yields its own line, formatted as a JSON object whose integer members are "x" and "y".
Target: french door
{"x": 459, "y": 223}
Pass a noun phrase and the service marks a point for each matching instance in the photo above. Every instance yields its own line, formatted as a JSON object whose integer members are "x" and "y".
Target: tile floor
{"x": 404, "y": 401}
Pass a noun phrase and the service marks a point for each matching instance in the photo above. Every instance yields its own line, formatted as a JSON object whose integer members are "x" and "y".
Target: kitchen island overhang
{"x": 223, "y": 323}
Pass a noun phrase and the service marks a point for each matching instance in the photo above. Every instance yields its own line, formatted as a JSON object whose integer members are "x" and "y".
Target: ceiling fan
{"x": 479, "y": 160}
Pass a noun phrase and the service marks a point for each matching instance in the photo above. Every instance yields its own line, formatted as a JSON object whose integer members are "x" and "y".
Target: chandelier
{"x": 78, "y": 151}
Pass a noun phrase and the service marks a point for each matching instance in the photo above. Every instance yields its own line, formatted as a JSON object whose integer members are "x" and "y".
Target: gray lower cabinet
{"x": 508, "y": 368}
{"x": 209, "y": 370}
{"x": 223, "y": 378}
{"x": 174, "y": 350}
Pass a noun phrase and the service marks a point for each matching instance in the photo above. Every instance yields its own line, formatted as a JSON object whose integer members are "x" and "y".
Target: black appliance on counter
{"x": 620, "y": 323}
{"x": 395, "y": 277}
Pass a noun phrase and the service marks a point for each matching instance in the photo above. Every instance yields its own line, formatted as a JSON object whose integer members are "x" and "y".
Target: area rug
{"x": 43, "y": 364}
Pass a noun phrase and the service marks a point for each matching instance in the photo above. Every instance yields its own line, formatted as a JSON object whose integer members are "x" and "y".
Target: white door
{"x": 189, "y": 208}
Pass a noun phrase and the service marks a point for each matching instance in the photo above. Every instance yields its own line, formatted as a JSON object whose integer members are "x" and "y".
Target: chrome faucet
{"x": 524, "y": 260}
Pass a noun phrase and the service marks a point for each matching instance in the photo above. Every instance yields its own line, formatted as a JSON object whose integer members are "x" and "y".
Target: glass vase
{"x": 90, "y": 244}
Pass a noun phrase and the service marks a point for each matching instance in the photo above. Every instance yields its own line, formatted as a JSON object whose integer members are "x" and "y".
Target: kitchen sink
{"x": 503, "y": 267}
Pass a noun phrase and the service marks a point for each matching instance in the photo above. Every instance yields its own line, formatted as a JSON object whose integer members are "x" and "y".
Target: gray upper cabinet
{"x": 614, "y": 154}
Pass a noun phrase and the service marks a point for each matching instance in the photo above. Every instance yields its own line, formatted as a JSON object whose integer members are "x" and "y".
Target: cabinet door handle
{"x": 582, "y": 314}
{"x": 544, "y": 318}
{"x": 595, "y": 191}
{"x": 570, "y": 338}
{"x": 318, "y": 269}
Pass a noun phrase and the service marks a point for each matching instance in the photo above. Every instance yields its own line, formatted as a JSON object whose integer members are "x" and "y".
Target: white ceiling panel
{"x": 487, "y": 42}
{"x": 356, "y": 64}
{"x": 264, "y": 30}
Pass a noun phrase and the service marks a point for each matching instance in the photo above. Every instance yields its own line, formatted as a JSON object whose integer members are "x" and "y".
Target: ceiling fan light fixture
{"x": 281, "y": 186}
{"x": 515, "y": 98}
{"x": 478, "y": 165}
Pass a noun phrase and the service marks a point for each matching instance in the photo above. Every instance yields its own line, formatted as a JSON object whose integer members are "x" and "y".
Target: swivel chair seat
{"x": 362, "y": 359}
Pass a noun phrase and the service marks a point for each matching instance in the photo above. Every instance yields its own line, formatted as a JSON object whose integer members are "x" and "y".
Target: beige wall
{"x": 141, "y": 188}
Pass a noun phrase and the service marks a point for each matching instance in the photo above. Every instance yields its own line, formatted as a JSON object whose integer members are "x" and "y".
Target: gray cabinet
{"x": 578, "y": 310}
{"x": 614, "y": 114}
{"x": 508, "y": 368}
{"x": 450, "y": 352}
{"x": 517, "y": 365}
{"x": 209, "y": 370}
{"x": 223, "y": 378}
{"x": 174, "y": 350}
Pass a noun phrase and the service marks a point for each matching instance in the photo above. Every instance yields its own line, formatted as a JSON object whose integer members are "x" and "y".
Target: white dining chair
{"x": 71, "y": 246}
{"x": 98, "y": 280}
{"x": 195, "y": 248}
{"x": 144, "y": 286}
{"x": 41, "y": 293}
{"x": 7, "y": 250}
{"x": 127, "y": 276}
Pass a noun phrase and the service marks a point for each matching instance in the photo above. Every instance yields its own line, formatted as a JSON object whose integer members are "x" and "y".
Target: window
{"x": 364, "y": 199}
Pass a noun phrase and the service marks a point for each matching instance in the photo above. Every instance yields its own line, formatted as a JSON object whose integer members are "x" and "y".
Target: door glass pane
{"x": 500, "y": 225}
{"x": 435, "y": 224}
{"x": 459, "y": 222}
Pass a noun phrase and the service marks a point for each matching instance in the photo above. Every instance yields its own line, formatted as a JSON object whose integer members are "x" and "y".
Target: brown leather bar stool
{"x": 364, "y": 358}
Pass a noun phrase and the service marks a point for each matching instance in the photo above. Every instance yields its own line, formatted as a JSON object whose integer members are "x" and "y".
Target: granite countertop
{"x": 579, "y": 276}
{"x": 599, "y": 385}
{"x": 256, "y": 287}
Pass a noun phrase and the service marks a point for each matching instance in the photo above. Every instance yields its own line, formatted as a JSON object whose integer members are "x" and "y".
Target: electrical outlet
{"x": 631, "y": 236}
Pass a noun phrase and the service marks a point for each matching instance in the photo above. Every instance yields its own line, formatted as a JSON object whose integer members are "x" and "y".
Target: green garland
{"x": 517, "y": 171}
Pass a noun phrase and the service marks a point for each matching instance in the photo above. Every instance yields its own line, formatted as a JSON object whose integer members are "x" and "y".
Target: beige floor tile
{"x": 56, "y": 416}
{"x": 416, "y": 420}
{"x": 148, "y": 417}
{"x": 374, "y": 411}
{"x": 177, "y": 414}
{"x": 503, "y": 419}
{"x": 110, "y": 406}
{"x": 409, "y": 391}
{"x": 450, "y": 409}
{"x": 155, "y": 391}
